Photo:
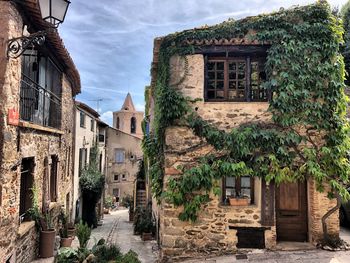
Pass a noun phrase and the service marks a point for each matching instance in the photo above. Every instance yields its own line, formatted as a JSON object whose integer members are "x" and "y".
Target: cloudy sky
{"x": 111, "y": 41}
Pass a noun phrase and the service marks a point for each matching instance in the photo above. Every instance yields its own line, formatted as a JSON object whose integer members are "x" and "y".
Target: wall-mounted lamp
{"x": 53, "y": 12}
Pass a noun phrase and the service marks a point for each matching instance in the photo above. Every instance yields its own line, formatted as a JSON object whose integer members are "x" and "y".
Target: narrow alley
{"x": 116, "y": 229}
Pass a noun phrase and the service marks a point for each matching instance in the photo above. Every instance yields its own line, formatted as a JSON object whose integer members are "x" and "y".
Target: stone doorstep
{"x": 294, "y": 246}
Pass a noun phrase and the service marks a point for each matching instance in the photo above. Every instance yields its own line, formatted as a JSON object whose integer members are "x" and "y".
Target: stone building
{"x": 124, "y": 150}
{"x": 36, "y": 129}
{"x": 290, "y": 212}
{"x": 89, "y": 129}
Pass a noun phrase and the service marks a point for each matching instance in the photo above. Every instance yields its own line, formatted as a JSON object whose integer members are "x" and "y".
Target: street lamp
{"x": 53, "y": 12}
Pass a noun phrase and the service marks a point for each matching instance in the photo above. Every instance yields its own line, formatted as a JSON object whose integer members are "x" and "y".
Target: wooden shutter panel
{"x": 267, "y": 203}
{"x": 205, "y": 77}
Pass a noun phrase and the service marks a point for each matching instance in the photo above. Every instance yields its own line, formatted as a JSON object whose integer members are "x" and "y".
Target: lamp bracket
{"x": 16, "y": 46}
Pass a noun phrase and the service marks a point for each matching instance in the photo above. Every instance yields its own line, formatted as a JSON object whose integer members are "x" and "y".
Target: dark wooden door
{"x": 291, "y": 212}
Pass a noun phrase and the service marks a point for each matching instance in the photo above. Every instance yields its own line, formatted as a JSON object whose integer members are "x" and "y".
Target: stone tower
{"x": 127, "y": 119}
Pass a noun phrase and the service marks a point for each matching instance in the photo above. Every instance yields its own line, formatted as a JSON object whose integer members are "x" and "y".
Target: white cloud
{"x": 107, "y": 117}
{"x": 111, "y": 42}
{"x": 140, "y": 106}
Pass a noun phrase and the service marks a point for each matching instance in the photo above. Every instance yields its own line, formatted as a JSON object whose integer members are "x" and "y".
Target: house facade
{"x": 89, "y": 129}
{"x": 223, "y": 79}
{"x": 36, "y": 130}
{"x": 124, "y": 150}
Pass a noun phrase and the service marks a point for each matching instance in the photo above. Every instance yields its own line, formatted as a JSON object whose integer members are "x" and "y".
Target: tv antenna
{"x": 98, "y": 100}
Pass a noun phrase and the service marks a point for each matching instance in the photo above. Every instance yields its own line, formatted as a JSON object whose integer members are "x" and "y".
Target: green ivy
{"x": 308, "y": 135}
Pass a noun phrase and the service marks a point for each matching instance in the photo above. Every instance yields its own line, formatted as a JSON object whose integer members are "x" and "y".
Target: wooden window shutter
{"x": 205, "y": 77}
{"x": 267, "y": 203}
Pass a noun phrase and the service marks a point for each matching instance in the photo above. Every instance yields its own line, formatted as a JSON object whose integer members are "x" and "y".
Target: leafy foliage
{"x": 83, "y": 233}
{"x": 308, "y": 134}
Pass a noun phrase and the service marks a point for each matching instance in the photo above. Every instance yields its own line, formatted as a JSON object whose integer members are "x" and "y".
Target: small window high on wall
{"x": 235, "y": 78}
{"x": 133, "y": 125}
{"x": 118, "y": 123}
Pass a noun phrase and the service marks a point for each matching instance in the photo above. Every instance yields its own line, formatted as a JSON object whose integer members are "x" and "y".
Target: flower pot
{"x": 71, "y": 232}
{"x": 146, "y": 236}
{"x": 66, "y": 241}
{"x": 239, "y": 201}
{"x": 47, "y": 243}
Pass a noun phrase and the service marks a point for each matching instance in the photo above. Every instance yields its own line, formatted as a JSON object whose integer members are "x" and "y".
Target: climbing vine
{"x": 308, "y": 134}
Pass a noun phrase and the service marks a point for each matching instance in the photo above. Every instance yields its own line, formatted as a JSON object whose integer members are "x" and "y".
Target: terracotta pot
{"x": 47, "y": 243}
{"x": 66, "y": 242}
{"x": 239, "y": 201}
{"x": 146, "y": 236}
{"x": 71, "y": 232}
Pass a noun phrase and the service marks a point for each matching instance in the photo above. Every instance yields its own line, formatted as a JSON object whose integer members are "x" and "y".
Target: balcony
{"x": 39, "y": 105}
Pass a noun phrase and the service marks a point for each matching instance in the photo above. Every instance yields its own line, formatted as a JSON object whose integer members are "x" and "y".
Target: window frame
{"x": 248, "y": 59}
{"x": 116, "y": 176}
{"x": 82, "y": 119}
{"x": 115, "y": 155}
{"x": 53, "y": 185}
{"x": 238, "y": 187}
{"x": 92, "y": 125}
{"x": 133, "y": 125}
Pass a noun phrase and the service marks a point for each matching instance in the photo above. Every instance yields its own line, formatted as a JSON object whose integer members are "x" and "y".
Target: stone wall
{"x": 27, "y": 140}
{"x": 215, "y": 232}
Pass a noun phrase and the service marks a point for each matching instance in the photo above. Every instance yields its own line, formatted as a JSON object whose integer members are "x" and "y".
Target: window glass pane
{"x": 219, "y": 84}
{"x": 232, "y": 75}
{"x": 230, "y": 181}
{"x": 240, "y": 94}
{"x": 211, "y": 84}
{"x": 241, "y": 85}
{"x": 219, "y": 65}
{"x": 245, "y": 192}
{"x": 220, "y": 75}
{"x": 220, "y": 94}
{"x": 211, "y": 75}
{"x": 232, "y": 85}
{"x": 232, "y": 66}
{"x": 230, "y": 192}
{"x": 241, "y": 66}
{"x": 245, "y": 181}
{"x": 211, "y": 65}
{"x": 231, "y": 94}
{"x": 211, "y": 94}
{"x": 241, "y": 75}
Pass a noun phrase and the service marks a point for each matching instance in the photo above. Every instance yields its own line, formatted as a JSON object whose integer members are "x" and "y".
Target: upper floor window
{"x": 82, "y": 119}
{"x": 119, "y": 155}
{"x": 235, "y": 79}
{"x": 133, "y": 125}
{"x": 92, "y": 123}
{"x": 118, "y": 123}
{"x": 40, "y": 91}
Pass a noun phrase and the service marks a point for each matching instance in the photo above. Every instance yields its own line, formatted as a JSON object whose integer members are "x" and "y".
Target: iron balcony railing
{"x": 39, "y": 105}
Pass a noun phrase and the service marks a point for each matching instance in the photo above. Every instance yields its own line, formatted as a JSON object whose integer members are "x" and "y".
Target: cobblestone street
{"x": 118, "y": 230}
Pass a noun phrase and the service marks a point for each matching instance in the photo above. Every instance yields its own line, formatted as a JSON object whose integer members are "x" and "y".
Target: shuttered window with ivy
{"x": 235, "y": 79}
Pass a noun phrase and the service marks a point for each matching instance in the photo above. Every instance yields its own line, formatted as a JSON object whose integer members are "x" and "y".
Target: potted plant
{"x": 143, "y": 223}
{"x": 239, "y": 201}
{"x": 66, "y": 240}
{"x": 71, "y": 230}
{"x": 83, "y": 234}
{"x": 44, "y": 226}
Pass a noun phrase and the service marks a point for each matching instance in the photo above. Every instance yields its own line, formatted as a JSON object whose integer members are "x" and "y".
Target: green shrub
{"x": 143, "y": 222}
{"x": 130, "y": 257}
{"x": 67, "y": 255}
{"x": 106, "y": 253}
{"x": 83, "y": 233}
{"x": 108, "y": 202}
